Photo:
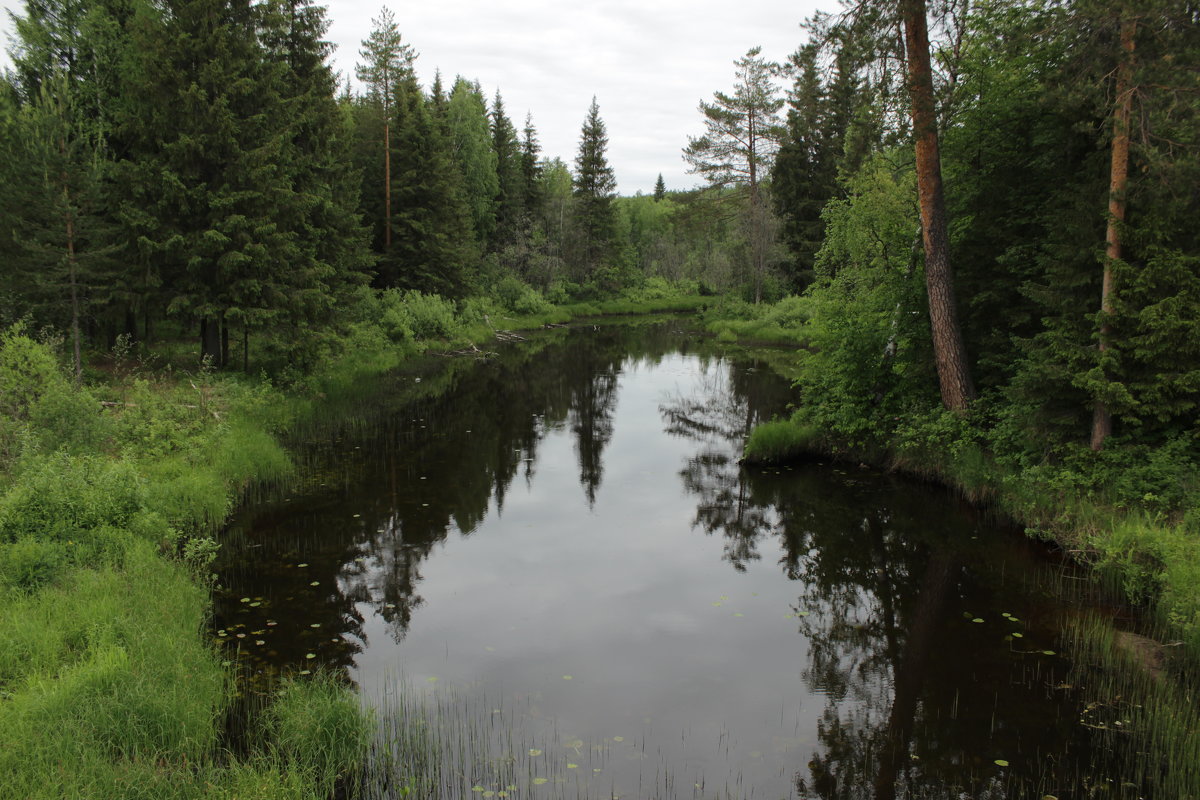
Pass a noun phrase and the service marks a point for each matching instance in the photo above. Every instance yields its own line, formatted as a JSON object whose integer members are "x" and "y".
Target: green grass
{"x": 317, "y": 728}
{"x": 781, "y": 441}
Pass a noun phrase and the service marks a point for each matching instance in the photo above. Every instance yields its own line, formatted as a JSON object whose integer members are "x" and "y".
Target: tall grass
{"x": 1139, "y": 700}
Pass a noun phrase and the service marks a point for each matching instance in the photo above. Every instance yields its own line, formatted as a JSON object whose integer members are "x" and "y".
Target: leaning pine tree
{"x": 950, "y": 354}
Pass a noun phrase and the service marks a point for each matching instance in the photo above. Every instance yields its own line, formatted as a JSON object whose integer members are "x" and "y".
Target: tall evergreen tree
{"x": 387, "y": 62}
{"x": 327, "y": 245}
{"x": 510, "y": 198}
{"x": 660, "y": 188}
{"x": 432, "y": 249}
{"x": 594, "y": 188}
{"x": 742, "y": 133}
{"x": 62, "y": 242}
{"x": 202, "y": 178}
{"x": 953, "y": 368}
{"x": 530, "y": 165}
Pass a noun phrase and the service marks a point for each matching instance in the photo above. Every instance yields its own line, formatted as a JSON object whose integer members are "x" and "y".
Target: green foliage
{"x": 519, "y": 298}
{"x": 869, "y": 363}
{"x": 28, "y": 370}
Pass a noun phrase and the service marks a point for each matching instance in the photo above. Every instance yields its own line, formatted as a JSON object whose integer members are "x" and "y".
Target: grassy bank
{"x": 1131, "y": 510}
{"x": 112, "y": 498}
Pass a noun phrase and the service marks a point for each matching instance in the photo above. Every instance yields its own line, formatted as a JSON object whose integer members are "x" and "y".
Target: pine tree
{"x": 742, "y": 133}
{"x": 387, "y": 62}
{"x": 62, "y": 243}
{"x": 594, "y": 188}
{"x": 950, "y": 354}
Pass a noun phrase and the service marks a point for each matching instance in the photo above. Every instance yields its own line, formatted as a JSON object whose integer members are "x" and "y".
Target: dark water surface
{"x": 559, "y": 544}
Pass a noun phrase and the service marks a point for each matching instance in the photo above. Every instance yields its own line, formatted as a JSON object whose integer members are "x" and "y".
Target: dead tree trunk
{"x": 1118, "y": 181}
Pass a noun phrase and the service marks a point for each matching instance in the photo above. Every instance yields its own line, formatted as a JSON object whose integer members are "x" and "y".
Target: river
{"x": 552, "y": 560}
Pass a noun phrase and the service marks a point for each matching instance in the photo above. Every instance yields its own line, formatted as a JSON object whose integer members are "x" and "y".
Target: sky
{"x": 649, "y": 63}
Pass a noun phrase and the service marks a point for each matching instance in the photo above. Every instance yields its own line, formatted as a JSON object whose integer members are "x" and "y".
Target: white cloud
{"x": 648, "y": 62}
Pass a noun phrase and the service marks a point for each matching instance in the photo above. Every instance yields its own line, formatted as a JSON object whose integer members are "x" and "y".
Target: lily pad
{"x": 539, "y": 781}
{"x": 977, "y": 619}
{"x": 1000, "y": 762}
{"x": 310, "y": 655}
{"x": 568, "y": 677}
{"x": 533, "y": 751}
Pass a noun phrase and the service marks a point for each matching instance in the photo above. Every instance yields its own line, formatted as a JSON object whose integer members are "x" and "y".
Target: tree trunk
{"x": 1118, "y": 180}
{"x": 210, "y": 340}
{"x": 941, "y": 570}
{"x": 950, "y": 354}
{"x": 73, "y": 266}
{"x": 387, "y": 182}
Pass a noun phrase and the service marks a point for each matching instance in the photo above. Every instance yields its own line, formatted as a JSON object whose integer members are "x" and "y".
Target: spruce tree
{"x": 201, "y": 180}
{"x": 660, "y": 188}
{"x": 432, "y": 249}
{"x": 510, "y": 197}
{"x": 326, "y": 247}
{"x": 530, "y": 167}
{"x": 594, "y": 188}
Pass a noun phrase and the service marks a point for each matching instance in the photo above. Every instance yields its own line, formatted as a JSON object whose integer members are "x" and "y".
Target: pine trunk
{"x": 1118, "y": 180}
{"x": 950, "y": 354}
{"x": 387, "y": 184}
{"x": 73, "y": 266}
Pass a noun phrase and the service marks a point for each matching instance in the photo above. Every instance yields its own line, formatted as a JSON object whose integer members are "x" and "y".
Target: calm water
{"x": 559, "y": 544}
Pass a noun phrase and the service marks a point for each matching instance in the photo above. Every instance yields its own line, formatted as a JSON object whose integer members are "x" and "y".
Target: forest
{"x": 973, "y": 225}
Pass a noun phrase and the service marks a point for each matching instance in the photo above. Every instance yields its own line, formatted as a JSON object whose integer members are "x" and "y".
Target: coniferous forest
{"x": 974, "y": 226}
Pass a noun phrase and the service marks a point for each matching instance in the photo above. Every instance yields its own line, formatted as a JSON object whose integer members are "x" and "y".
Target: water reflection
{"x": 575, "y": 507}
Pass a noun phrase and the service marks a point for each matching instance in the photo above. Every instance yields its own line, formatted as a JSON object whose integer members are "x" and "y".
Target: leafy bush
{"x": 28, "y": 369}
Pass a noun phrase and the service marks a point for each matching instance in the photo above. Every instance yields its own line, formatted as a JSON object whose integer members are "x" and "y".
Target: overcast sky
{"x": 648, "y": 62}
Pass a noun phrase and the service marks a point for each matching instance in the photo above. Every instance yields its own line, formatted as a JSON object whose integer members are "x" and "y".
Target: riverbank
{"x": 112, "y": 498}
{"x": 1128, "y": 513}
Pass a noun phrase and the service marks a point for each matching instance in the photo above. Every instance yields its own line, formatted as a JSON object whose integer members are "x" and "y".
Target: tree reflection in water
{"x": 879, "y": 588}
